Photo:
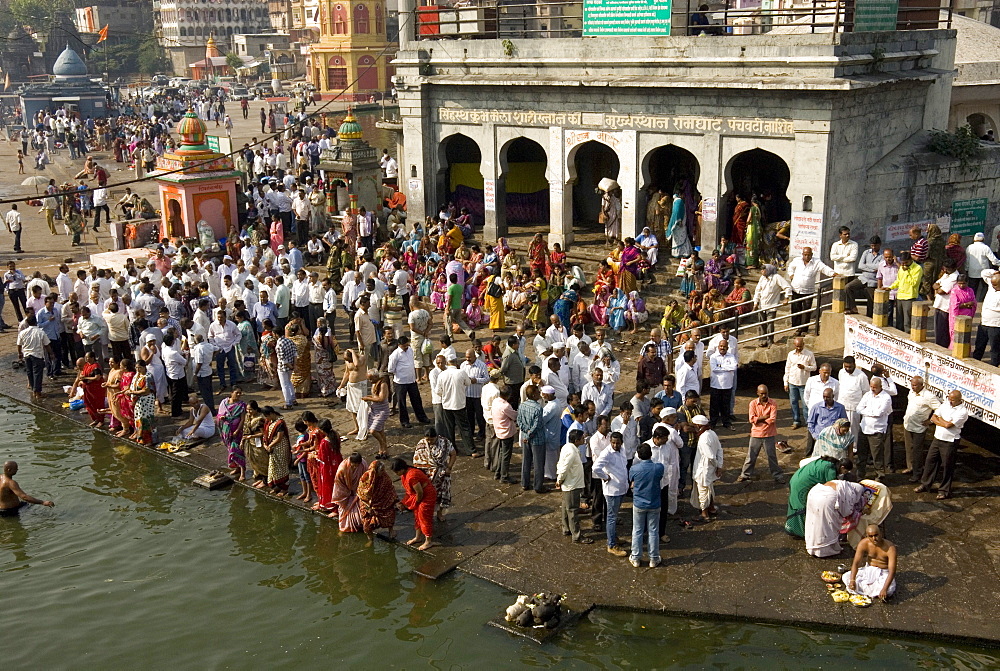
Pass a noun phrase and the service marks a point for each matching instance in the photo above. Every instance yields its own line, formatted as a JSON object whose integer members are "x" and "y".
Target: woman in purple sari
{"x": 631, "y": 263}
{"x": 229, "y": 421}
{"x": 961, "y": 303}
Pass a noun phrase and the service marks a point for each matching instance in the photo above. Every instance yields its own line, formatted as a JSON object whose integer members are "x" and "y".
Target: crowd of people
{"x": 188, "y": 333}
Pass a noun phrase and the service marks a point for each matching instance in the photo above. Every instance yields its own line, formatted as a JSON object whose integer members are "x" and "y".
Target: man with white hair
{"x": 979, "y": 257}
{"x": 707, "y": 467}
{"x": 853, "y": 385}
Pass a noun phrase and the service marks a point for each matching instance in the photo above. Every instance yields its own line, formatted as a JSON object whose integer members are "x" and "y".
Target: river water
{"x": 137, "y": 568}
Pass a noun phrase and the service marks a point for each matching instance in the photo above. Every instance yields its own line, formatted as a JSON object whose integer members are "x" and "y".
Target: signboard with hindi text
{"x": 902, "y": 359}
{"x": 220, "y": 145}
{"x": 626, "y": 17}
{"x": 875, "y": 15}
{"x": 807, "y": 231}
{"x": 968, "y": 217}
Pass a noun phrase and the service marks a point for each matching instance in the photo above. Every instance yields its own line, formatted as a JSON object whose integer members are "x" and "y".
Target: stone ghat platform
{"x": 742, "y": 566}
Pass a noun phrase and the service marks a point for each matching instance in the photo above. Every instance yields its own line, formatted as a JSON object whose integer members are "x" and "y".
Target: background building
{"x": 184, "y": 26}
{"x": 351, "y": 59}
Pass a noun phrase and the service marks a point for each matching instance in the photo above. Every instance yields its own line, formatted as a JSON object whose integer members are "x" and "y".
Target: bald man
{"x": 877, "y": 578}
{"x": 12, "y": 497}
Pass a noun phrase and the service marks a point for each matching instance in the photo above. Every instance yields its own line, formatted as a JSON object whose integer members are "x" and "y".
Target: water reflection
{"x": 14, "y": 539}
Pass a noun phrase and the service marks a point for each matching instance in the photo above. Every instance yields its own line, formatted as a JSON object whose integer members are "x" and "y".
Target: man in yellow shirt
{"x": 907, "y": 286}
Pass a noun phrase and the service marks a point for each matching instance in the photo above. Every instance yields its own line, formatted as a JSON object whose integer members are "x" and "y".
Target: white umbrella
{"x": 35, "y": 180}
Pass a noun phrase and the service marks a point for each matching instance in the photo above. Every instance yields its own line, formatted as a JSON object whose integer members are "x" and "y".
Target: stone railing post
{"x": 880, "y": 312}
{"x": 919, "y": 320}
{"x": 839, "y": 294}
{"x": 961, "y": 344}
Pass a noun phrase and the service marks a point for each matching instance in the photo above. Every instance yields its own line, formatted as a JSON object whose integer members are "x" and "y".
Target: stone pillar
{"x": 919, "y": 319}
{"x": 628, "y": 180}
{"x": 407, "y": 22}
{"x": 880, "y": 314}
{"x": 961, "y": 345}
{"x": 560, "y": 192}
{"x": 839, "y": 294}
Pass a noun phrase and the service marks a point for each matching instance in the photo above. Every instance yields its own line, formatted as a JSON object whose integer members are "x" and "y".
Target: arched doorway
{"x": 593, "y": 162}
{"x": 523, "y": 186}
{"x": 757, "y": 173}
{"x": 665, "y": 170}
{"x": 175, "y": 221}
{"x": 982, "y": 126}
{"x": 460, "y": 177}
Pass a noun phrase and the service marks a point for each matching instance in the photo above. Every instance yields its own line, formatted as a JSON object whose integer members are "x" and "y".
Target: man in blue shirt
{"x": 295, "y": 259}
{"x": 50, "y": 321}
{"x": 821, "y": 416}
{"x": 645, "y": 478}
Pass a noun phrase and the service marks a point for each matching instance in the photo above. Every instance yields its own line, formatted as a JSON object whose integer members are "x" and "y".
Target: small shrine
{"x": 197, "y": 187}
{"x": 70, "y": 88}
{"x": 353, "y": 173}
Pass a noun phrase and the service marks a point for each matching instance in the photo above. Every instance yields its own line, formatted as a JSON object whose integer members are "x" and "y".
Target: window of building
{"x": 339, "y": 20}
{"x": 361, "y": 20}
{"x": 379, "y": 21}
{"x": 367, "y": 74}
{"x": 336, "y": 78}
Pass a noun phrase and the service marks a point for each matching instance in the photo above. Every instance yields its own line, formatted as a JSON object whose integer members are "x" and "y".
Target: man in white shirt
{"x": 863, "y": 286}
{"x": 725, "y": 333}
{"x": 815, "y": 385}
{"x": 404, "y": 378}
{"x": 803, "y": 276}
{"x": 175, "y": 364}
{"x": 772, "y": 290}
{"x": 722, "y": 365}
{"x": 580, "y": 361}
{"x": 979, "y": 257}
{"x": 942, "y": 302}
{"x": 117, "y": 322}
{"x": 224, "y": 334}
{"x": 401, "y": 278}
{"x": 611, "y": 468}
{"x": 556, "y": 331}
{"x": 687, "y": 378}
{"x": 799, "y": 364}
{"x": 479, "y": 374}
{"x": 853, "y": 385}
{"x": 627, "y": 425}
{"x": 600, "y": 393}
{"x": 570, "y": 480}
{"x": 920, "y": 405}
{"x": 491, "y": 391}
{"x": 989, "y": 328}
{"x": 551, "y": 377}
{"x": 202, "y": 354}
{"x": 32, "y": 347}
{"x": 844, "y": 254}
{"x": 300, "y": 295}
{"x": 948, "y": 419}
{"x": 875, "y": 409}
{"x": 451, "y": 385}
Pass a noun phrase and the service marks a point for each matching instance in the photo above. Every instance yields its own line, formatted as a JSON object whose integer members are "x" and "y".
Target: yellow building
{"x": 351, "y": 59}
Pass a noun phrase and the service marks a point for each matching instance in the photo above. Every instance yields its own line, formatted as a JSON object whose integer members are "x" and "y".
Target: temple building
{"x": 352, "y": 169}
{"x": 70, "y": 88}
{"x": 824, "y": 116}
{"x": 351, "y": 59}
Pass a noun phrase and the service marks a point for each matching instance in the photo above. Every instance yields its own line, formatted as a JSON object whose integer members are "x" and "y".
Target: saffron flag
{"x": 103, "y": 32}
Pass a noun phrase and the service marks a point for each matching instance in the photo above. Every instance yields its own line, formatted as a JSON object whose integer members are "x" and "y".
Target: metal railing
{"x": 738, "y": 324}
{"x": 504, "y": 19}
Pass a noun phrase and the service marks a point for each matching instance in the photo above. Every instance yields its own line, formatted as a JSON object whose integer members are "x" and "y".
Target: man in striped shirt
{"x": 479, "y": 374}
{"x": 918, "y": 250}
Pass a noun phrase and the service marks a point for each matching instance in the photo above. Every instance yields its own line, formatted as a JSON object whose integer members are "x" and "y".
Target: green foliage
{"x": 233, "y": 61}
{"x": 39, "y": 14}
{"x": 150, "y": 58}
{"x": 508, "y": 48}
{"x": 961, "y": 144}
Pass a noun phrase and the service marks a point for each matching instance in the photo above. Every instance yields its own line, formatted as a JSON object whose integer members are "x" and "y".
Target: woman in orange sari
{"x": 378, "y": 500}
{"x": 605, "y": 278}
{"x": 421, "y": 498}
{"x": 538, "y": 254}
{"x": 91, "y": 379}
{"x": 740, "y": 217}
{"x": 327, "y": 458}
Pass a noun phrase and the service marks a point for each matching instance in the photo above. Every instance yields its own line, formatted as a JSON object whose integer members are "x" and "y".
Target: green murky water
{"x": 137, "y": 569}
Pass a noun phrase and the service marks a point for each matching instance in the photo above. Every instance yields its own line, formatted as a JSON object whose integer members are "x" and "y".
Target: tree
{"x": 150, "y": 58}
{"x": 39, "y": 14}
{"x": 234, "y": 61}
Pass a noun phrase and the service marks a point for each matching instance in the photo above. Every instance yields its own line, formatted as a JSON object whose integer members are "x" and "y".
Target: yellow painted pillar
{"x": 961, "y": 345}
{"x": 919, "y": 319}
{"x": 839, "y": 294}
{"x": 880, "y": 313}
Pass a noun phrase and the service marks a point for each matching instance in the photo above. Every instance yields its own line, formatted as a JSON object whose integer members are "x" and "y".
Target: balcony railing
{"x": 518, "y": 19}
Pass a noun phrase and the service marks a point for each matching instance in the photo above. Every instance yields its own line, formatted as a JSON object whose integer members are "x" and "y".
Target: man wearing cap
{"x": 707, "y": 468}
{"x": 979, "y": 257}
{"x": 763, "y": 412}
{"x": 685, "y": 418}
{"x": 551, "y": 377}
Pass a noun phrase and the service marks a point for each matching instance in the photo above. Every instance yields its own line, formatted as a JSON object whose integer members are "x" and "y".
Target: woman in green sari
{"x": 754, "y": 232}
{"x": 816, "y": 472}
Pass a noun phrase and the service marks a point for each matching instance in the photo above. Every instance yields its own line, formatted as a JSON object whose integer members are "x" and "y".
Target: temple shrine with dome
{"x": 351, "y": 168}
{"x": 351, "y": 59}
{"x": 70, "y": 88}
{"x": 196, "y": 184}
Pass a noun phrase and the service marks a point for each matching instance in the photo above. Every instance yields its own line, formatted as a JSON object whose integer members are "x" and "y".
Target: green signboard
{"x": 213, "y": 142}
{"x": 626, "y": 17}
{"x": 968, "y": 217}
{"x": 875, "y": 15}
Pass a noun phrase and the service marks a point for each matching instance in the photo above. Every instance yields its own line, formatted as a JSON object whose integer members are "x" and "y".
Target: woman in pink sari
{"x": 277, "y": 234}
{"x": 962, "y": 303}
{"x": 599, "y": 308}
{"x": 345, "y": 493}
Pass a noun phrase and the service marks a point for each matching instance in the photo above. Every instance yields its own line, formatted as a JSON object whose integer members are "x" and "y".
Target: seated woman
{"x": 200, "y": 424}
{"x": 565, "y": 306}
{"x": 474, "y": 315}
{"x": 635, "y": 311}
{"x": 605, "y": 278}
{"x": 465, "y": 223}
{"x": 740, "y": 300}
{"x": 672, "y": 316}
{"x": 713, "y": 274}
{"x": 599, "y": 308}
{"x": 557, "y": 258}
{"x": 649, "y": 244}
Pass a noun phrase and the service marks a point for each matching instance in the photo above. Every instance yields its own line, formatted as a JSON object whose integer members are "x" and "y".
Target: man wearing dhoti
{"x": 877, "y": 578}
{"x": 707, "y": 468}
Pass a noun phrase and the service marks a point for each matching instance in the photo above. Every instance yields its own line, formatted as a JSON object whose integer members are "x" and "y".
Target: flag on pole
{"x": 103, "y": 32}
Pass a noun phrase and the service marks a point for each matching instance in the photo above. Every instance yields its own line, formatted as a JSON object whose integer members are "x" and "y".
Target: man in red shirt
{"x": 763, "y": 430}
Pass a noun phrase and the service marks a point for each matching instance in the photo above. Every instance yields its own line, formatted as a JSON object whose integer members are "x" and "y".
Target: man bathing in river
{"x": 878, "y": 577}
{"x": 12, "y": 497}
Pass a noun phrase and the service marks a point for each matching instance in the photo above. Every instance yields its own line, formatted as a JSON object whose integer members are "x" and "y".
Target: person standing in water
{"x": 12, "y": 497}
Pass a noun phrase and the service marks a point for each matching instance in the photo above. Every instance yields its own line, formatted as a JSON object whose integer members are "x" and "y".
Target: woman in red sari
{"x": 125, "y": 404}
{"x": 378, "y": 500}
{"x": 741, "y": 213}
{"x": 421, "y": 498}
{"x": 327, "y": 457}
{"x": 605, "y": 278}
{"x": 557, "y": 258}
{"x": 91, "y": 380}
{"x": 538, "y": 254}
